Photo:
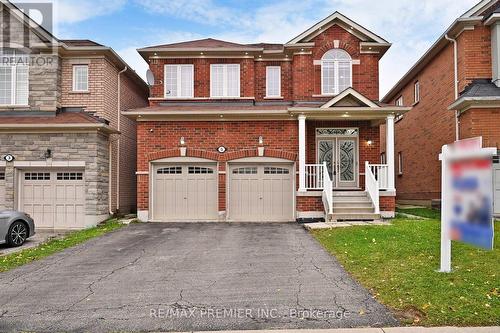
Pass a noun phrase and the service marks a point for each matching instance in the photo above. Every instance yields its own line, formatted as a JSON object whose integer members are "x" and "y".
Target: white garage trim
{"x": 260, "y": 164}
{"x": 185, "y": 163}
{"x": 49, "y": 164}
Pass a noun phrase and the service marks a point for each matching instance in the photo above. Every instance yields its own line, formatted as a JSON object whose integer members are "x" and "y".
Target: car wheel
{"x": 18, "y": 232}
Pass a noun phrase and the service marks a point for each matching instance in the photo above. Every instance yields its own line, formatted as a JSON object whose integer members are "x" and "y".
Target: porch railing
{"x": 372, "y": 187}
{"x": 318, "y": 178}
{"x": 381, "y": 174}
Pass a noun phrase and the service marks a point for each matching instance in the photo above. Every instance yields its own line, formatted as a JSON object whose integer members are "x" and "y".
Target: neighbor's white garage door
{"x": 261, "y": 192}
{"x": 185, "y": 192}
{"x": 55, "y": 199}
{"x": 2, "y": 190}
{"x": 496, "y": 185}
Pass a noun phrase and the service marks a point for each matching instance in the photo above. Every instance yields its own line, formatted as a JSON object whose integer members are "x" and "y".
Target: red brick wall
{"x": 301, "y": 79}
{"x": 387, "y": 204}
{"x": 430, "y": 125}
{"x": 481, "y": 122}
{"x": 310, "y": 204}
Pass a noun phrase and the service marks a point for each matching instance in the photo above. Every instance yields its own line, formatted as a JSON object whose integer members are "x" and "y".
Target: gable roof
{"x": 336, "y": 18}
{"x": 203, "y": 44}
{"x": 470, "y": 18}
{"x": 350, "y": 94}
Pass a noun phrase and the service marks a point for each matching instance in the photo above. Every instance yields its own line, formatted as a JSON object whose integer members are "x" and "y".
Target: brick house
{"x": 67, "y": 154}
{"x": 266, "y": 132}
{"x": 443, "y": 111}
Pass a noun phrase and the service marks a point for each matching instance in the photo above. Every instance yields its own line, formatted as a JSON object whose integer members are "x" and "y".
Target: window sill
{"x": 14, "y": 106}
{"x": 274, "y": 97}
{"x": 80, "y": 92}
{"x": 324, "y": 95}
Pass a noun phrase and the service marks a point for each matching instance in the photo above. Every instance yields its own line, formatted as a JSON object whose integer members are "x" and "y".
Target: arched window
{"x": 336, "y": 72}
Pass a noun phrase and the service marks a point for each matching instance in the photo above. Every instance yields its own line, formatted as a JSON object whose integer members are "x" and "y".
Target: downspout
{"x": 110, "y": 188}
{"x": 118, "y": 144}
{"x": 455, "y": 64}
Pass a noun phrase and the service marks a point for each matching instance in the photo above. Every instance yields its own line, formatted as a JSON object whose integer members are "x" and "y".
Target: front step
{"x": 353, "y": 210}
{"x": 352, "y": 204}
{"x": 353, "y": 217}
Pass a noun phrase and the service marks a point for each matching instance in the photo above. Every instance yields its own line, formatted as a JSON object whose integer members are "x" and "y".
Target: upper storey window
{"x": 81, "y": 78}
{"x": 179, "y": 81}
{"x": 225, "y": 80}
{"x": 336, "y": 72}
{"x": 14, "y": 78}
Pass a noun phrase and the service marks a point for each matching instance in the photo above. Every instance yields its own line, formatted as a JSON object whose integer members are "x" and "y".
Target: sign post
{"x": 466, "y": 196}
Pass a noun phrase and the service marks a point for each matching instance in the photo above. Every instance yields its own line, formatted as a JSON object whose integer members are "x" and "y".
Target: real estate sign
{"x": 466, "y": 196}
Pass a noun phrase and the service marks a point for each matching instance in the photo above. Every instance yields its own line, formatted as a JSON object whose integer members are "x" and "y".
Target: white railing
{"x": 318, "y": 178}
{"x": 371, "y": 187}
{"x": 315, "y": 176}
{"x": 381, "y": 173}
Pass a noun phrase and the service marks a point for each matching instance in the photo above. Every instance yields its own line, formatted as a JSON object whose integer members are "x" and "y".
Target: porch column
{"x": 390, "y": 152}
{"x": 302, "y": 153}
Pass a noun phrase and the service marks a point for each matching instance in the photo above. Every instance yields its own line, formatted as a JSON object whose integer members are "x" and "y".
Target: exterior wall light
{"x": 369, "y": 142}
{"x": 261, "y": 140}
{"x": 48, "y": 153}
{"x": 182, "y": 141}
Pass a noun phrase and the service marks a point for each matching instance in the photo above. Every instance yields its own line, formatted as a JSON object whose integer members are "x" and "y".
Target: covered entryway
{"x": 496, "y": 185}
{"x": 184, "y": 192}
{"x": 2, "y": 189}
{"x": 55, "y": 199}
{"x": 261, "y": 192}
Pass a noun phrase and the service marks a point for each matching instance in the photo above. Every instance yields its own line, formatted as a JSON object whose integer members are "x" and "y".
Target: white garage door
{"x": 261, "y": 192}
{"x": 55, "y": 199}
{"x": 2, "y": 190}
{"x": 185, "y": 192}
{"x": 496, "y": 186}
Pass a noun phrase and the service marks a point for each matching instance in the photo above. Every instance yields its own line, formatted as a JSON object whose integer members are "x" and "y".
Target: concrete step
{"x": 354, "y": 216}
{"x": 352, "y": 203}
{"x": 353, "y": 210}
{"x": 352, "y": 199}
{"x": 349, "y": 193}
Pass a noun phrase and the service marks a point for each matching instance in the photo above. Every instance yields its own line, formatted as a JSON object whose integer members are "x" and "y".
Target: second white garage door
{"x": 185, "y": 192}
{"x": 55, "y": 199}
{"x": 261, "y": 193}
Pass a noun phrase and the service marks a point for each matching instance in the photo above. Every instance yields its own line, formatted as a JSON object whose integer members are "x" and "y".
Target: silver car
{"x": 15, "y": 227}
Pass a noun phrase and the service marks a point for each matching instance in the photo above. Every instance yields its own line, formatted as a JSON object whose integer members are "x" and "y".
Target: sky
{"x": 411, "y": 26}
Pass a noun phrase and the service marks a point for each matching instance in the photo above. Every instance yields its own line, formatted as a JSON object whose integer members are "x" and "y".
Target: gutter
{"x": 119, "y": 107}
{"x": 455, "y": 68}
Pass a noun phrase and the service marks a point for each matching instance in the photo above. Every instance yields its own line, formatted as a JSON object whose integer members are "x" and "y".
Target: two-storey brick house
{"x": 67, "y": 154}
{"x": 266, "y": 132}
{"x": 454, "y": 90}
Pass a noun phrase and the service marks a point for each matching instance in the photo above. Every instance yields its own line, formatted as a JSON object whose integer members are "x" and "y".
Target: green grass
{"x": 398, "y": 265}
{"x": 50, "y": 247}
{"x": 423, "y": 212}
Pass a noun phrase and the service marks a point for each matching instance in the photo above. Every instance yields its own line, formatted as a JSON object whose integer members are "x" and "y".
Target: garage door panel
{"x": 54, "y": 199}
{"x": 261, "y": 193}
{"x": 185, "y": 192}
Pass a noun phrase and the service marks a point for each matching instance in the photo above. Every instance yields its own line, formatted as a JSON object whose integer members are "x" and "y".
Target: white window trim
{"x": 225, "y": 81}
{"x": 13, "y": 86}
{"x": 417, "y": 91}
{"x": 336, "y": 77}
{"x": 179, "y": 80}
{"x": 268, "y": 95}
{"x": 400, "y": 101}
{"x": 400, "y": 163}
{"x": 75, "y": 67}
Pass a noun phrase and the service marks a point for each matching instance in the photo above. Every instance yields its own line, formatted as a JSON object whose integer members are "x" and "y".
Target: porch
{"x": 339, "y": 159}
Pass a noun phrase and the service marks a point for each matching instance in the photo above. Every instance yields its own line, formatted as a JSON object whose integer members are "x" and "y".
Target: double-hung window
{"x": 417, "y": 92}
{"x": 336, "y": 72}
{"x": 80, "y": 78}
{"x": 179, "y": 81}
{"x": 14, "y": 78}
{"x": 224, "y": 80}
{"x": 273, "y": 81}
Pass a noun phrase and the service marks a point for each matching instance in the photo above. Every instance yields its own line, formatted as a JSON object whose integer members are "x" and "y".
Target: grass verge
{"x": 50, "y": 247}
{"x": 422, "y": 212}
{"x": 398, "y": 265}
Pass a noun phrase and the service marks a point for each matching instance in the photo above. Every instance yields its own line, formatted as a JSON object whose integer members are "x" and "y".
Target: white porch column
{"x": 302, "y": 153}
{"x": 389, "y": 131}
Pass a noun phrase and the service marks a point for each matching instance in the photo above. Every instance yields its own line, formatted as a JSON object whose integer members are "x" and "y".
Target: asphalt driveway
{"x": 181, "y": 277}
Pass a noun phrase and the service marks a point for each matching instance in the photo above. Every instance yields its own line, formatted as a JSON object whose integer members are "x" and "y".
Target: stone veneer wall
{"x": 92, "y": 148}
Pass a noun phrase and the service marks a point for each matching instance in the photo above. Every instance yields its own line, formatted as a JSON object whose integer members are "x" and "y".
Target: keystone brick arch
{"x": 346, "y": 46}
{"x": 211, "y": 155}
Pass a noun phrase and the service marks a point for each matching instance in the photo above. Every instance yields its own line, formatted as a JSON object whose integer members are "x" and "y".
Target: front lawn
{"x": 43, "y": 250}
{"x": 398, "y": 264}
{"x": 421, "y": 211}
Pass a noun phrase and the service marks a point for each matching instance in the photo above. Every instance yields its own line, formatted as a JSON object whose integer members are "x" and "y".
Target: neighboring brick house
{"x": 266, "y": 132}
{"x": 73, "y": 152}
{"x": 442, "y": 111}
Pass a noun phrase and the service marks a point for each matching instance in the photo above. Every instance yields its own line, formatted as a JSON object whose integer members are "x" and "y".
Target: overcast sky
{"x": 411, "y": 25}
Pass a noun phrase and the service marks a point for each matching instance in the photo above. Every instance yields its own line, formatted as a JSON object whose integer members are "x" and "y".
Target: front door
{"x": 341, "y": 157}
